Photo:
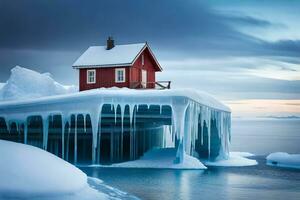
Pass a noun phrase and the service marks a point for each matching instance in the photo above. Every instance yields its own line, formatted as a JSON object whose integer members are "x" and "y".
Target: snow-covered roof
{"x": 120, "y": 55}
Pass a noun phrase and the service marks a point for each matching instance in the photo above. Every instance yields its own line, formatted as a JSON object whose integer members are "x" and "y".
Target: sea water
{"x": 264, "y": 136}
{"x": 256, "y": 182}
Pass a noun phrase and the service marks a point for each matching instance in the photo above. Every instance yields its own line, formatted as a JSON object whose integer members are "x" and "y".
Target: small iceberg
{"x": 282, "y": 159}
{"x": 161, "y": 158}
{"x": 236, "y": 159}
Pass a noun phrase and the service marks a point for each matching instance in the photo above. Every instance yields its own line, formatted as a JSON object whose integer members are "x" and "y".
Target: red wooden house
{"x": 130, "y": 65}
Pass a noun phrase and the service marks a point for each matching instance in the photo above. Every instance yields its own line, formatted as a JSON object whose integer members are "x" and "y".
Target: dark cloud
{"x": 284, "y": 47}
{"x": 48, "y": 35}
{"x": 189, "y": 27}
{"x": 248, "y": 21}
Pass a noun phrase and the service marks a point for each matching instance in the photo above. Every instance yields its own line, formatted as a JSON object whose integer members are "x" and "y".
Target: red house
{"x": 129, "y": 65}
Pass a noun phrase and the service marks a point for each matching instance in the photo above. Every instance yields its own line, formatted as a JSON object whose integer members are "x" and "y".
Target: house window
{"x": 143, "y": 61}
{"x": 120, "y": 75}
{"x": 91, "y": 76}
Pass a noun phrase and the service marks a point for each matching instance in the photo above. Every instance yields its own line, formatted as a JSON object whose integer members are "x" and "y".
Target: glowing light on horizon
{"x": 264, "y": 107}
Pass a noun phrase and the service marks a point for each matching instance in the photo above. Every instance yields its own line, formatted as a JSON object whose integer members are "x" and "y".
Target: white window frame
{"x": 87, "y": 76}
{"x": 117, "y": 70}
{"x": 143, "y": 60}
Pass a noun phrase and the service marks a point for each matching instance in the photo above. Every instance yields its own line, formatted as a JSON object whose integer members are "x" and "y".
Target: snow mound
{"x": 163, "y": 159}
{"x": 236, "y": 159}
{"x": 282, "y": 159}
{"x": 27, "y": 84}
{"x": 27, "y": 172}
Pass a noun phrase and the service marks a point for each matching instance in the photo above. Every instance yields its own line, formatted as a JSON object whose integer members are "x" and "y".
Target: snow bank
{"x": 27, "y": 172}
{"x": 27, "y": 84}
{"x": 236, "y": 159}
{"x": 162, "y": 159}
{"x": 282, "y": 159}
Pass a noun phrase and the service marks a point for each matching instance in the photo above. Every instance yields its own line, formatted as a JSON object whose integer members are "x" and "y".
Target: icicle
{"x": 17, "y": 127}
{"x": 180, "y": 153}
{"x": 160, "y": 109}
{"x": 7, "y": 121}
{"x": 134, "y": 136}
{"x": 131, "y": 113}
{"x": 95, "y": 120}
{"x": 75, "y": 140}
{"x": 179, "y": 115}
{"x": 179, "y": 111}
{"x": 45, "y": 119}
{"x": 208, "y": 129}
{"x": 68, "y": 140}
{"x": 63, "y": 124}
{"x": 25, "y": 131}
{"x": 131, "y": 109}
{"x": 84, "y": 122}
{"x": 122, "y": 107}
{"x": 115, "y": 109}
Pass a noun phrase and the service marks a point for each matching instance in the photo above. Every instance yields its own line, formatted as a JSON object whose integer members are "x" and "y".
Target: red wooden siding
{"x": 149, "y": 66}
{"x": 105, "y": 77}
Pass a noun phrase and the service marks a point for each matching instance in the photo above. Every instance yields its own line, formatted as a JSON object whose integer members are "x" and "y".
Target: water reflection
{"x": 258, "y": 182}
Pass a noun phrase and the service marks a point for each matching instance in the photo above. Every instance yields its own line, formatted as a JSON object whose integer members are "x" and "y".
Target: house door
{"x": 144, "y": 78}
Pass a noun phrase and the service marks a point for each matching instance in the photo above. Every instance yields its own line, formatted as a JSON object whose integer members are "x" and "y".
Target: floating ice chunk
{"x": 282, "y": 159}
{"x": 235, "y": 159}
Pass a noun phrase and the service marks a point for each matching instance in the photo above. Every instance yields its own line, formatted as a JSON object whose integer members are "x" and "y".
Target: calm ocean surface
{"x": 266, "y": 136}
{"x": 257, "y": 182}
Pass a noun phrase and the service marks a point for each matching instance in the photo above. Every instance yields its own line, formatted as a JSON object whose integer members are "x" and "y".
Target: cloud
{"x": 240, "y": 19}
{"x": 198, "y": 45}
{"x": 191, "y": 28}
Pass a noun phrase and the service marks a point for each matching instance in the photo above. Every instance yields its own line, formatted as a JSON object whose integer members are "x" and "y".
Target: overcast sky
{"x": 243, "y": 52}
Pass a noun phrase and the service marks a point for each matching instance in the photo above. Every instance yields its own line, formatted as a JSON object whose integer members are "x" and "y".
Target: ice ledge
{"x": 153, "y": 96}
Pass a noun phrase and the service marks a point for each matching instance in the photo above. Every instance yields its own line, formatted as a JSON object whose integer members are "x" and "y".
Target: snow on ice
{"x": 163, "y": 159}
{"x": 282, "y": 159}
{"x": 28, "y": 172}
{"x": 235, "y": 159}
{"x": 189, "y": 109}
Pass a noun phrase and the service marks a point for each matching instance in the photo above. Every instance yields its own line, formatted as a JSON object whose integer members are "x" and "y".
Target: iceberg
{"x": 27, "y": 84}
{"x": 282, "y": 159}
{"x": 106, "y": 126}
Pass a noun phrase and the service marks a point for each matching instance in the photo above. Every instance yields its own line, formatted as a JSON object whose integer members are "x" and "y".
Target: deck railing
{"x": 160, "y": 85}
